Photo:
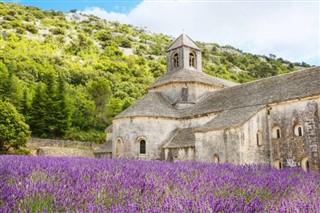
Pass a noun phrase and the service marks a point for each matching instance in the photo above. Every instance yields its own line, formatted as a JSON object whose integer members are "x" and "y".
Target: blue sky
{"x": 121, "y": 6}
{"x": 285, "y": 28}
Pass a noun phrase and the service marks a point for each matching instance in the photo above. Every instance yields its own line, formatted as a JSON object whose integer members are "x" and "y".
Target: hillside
{"x": 70, "y": 73}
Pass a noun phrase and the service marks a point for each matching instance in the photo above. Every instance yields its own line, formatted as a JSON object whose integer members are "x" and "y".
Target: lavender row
{"x": 48, "y": 184}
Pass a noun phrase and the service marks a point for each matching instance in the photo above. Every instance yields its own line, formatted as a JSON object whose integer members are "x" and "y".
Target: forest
{"x": 69, "y": 74}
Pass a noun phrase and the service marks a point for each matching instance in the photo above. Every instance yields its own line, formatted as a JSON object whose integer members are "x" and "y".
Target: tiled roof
{"x": 183, "y": 138}
{"x": 275, "y": 89}
{"x": 230, "y": 118}
{"x": 183, "y": 40}
{"x": 153, "y": 104}
{"x": 188, "y": 75}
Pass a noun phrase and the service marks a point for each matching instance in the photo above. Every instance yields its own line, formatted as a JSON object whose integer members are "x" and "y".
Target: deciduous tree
{"x": 14, "y": 132}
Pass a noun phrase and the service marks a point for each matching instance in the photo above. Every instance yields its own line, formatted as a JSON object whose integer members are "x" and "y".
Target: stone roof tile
{"x": 183, "y": 138}
{"x": 275, "y": 89}
{"x": 153, "y": 104}
{"x": 230, "y": 118}
{"x": 183, "y": 40}
{"x": 188, "y": 75}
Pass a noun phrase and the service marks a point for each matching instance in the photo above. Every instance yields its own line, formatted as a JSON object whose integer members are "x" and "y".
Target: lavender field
{"x": 47, "y": 184}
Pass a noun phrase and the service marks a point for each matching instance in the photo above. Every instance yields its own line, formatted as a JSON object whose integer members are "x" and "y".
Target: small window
{"x": 175, "y": 60}
{"x": 305, "y": 164}
{"x": 216, "y": 158}
{"x": 259, "y": 138}
{"x": 278, "y": 164}
{"x": 298, "y": 131}
{"x": 142, "y": 147}
{"x": 192, "y": 59}
{"x": 184, "y": 94}
{"x": 119, "y": 147}
{"x": 276, "y": 132}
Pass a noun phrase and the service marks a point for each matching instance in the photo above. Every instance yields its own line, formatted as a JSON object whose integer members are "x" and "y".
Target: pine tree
{"x": 51, "y": 107}
{"x": 25, "y": 107}
{"x": 38, "y": 112}
{"x": 62, "y": 109}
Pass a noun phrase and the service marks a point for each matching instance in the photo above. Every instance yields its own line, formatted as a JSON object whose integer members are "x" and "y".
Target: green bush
{"x": 31, "y": 28}
{"x": 58, "y": 31}
{"x": 94, "y": 136}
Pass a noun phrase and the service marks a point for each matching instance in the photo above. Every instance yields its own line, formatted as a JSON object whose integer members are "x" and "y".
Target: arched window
{"x": 298, "y": 131}
{"x": 142, "y": 146}
{"x": 216, "y": 158}
{"x": 278, "y": 164}
{"x": 175, "y": 60}
{"x": 259, "y": 138}
{"x": 119, "y": 147}
{"x": 192, "y": 59}
{"x": 276, "y": 132}
{"x": 305, "y": 164}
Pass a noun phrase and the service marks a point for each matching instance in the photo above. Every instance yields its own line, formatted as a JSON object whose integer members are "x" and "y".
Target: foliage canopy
{"x": 70, "y": 73}
{"x": 14, "y": 132}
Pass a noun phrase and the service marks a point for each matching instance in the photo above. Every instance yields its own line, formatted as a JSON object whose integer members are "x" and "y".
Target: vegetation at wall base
{"x": 69, "y": 74}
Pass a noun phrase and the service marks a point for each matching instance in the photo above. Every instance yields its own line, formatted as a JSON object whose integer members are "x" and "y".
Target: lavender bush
{"x": 48, "y": 184}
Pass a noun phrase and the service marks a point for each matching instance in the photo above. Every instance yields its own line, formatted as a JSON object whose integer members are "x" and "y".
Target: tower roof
{"x": 187, "y": 75}
{"x": 183, "y": 40}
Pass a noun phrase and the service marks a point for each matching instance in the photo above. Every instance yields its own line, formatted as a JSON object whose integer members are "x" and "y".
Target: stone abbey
{"x": 189, "y": 115}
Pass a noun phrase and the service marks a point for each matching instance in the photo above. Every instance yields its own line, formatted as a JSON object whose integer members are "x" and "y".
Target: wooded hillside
{"x": 69, "y": 74}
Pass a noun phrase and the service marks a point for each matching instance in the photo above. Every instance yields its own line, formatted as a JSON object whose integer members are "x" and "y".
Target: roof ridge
{"x": 281, "y": 75}
{"x": 265, "y": 79}
{"x": 183, "y": 40}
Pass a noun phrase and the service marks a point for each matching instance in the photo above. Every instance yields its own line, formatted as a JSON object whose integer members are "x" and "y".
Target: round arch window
{"x": 192, "y": 59}
{"x": 305, "y": 164}
{"x": 276, "y": 132}
{"x": 142, "y": 145}
{"x": 119, "y": 147}
{"x": 259, "y": 138}
{"x": 278, "y": 164}
{"x": 216, "y": 158}
{"x": 175, "y": 60}
{"x": 298, "y": 131}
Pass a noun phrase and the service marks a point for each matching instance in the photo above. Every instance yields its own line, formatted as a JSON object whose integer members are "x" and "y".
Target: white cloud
{"x": 287, "y": 29}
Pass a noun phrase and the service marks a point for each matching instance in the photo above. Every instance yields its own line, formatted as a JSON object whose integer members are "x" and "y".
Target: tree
{"x": 100, "y": 92}
{"x": 14, "y": 131}
{"x": 38, "y": 112}
{"x": 50, "y": 112}
{"x": 62, "y": 113}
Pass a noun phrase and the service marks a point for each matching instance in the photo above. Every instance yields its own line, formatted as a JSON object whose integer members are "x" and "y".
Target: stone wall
{"x": 221, "y": 144}
{"x": 49, "y": 147}
{"x": 195, "y": 91}
{"x": 155, "y": 131}
{"x": 236, "y": 145}
{"x": 178, "y": 154}
{"x": 253, "y": 151}
{"x": 290, "y": 149}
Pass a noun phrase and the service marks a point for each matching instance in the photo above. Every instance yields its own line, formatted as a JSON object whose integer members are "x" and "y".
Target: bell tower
{"x": 183, "y": 53}
{"x": 185, "y": 83}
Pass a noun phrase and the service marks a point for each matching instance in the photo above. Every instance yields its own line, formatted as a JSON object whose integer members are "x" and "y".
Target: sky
{"x": 289, "y": 29}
